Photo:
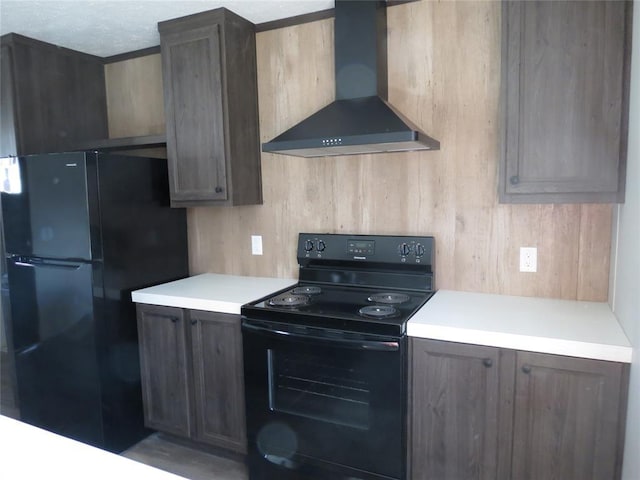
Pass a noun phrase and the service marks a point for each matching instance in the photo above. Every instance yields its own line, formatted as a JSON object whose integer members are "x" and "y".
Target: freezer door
{"x": 46, "y": 207}
{"x": 53, "y": 320}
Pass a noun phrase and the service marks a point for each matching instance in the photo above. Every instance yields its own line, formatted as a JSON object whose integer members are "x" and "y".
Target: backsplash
{"x": 444, "y": 74}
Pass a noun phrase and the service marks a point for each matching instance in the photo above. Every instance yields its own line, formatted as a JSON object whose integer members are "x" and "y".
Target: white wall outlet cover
{"x": 528, "y": 259}
{"x": 256, "y": 244}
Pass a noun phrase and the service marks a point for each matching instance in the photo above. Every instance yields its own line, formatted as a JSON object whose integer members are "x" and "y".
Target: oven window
{"x": 318, "y": 388}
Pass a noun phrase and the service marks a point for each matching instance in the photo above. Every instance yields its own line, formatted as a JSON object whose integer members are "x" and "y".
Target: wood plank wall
{"x": 134, "y": 97}
{"x": 444, "y": 74}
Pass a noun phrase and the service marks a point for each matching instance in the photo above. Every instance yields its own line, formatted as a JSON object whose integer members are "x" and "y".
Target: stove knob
{"x": 404, "y": 249}
{"x": 320, "y": 246}
{"x": 308, "y": 245}
{"x": 419, "y": 250}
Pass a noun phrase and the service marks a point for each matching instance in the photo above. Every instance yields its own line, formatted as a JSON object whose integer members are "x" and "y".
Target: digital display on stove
{"x": 360, "y": 247}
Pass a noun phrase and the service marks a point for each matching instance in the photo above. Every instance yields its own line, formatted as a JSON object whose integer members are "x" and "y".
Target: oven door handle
{"x": 377, "y": 345}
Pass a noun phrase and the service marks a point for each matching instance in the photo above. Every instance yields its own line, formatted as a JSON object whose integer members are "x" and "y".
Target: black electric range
{"x": 354, "y": 283}
{"x": 325, "y": 360}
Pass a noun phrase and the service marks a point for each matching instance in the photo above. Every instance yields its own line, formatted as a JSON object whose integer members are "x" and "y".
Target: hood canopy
{"x": 360, "y": 120}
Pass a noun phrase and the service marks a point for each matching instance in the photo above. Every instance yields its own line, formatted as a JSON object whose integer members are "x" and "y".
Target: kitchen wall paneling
{"x": 594, "y": 248}
{"x": 134, "y": 97}
{"x": 444, "y": 75}
{"x": 444, "y": 64}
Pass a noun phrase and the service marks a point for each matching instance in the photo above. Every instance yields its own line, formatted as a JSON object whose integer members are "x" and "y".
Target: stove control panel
{"x": 365, "y": 248}
{"x": 361, "y": 247}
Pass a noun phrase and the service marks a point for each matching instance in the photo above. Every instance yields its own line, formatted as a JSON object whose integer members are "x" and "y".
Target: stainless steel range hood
{"x": 360, "y": 120}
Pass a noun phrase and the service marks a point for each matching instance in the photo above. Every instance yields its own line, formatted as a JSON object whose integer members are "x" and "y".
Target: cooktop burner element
{"x": 306, "y": 290}
{"x": 378, "y": 311}
{"x": 289, "y": 300}
{"x": 389, "y": 298}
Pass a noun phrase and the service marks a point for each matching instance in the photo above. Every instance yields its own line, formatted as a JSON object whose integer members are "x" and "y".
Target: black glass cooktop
{"x": 352, "y": 308}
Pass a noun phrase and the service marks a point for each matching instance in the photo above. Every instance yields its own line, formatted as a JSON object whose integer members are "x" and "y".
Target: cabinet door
{"x": 192, "y": 76}
{"x": 566, "y": 418}
{"x": 219, "y": 384}
{"x": 565, "y": 96}
{"x": 58, "y": 97}
{"x": 454, "y": 405}
{"x": 164, "y": 365}
{"x": 8, "y": 132}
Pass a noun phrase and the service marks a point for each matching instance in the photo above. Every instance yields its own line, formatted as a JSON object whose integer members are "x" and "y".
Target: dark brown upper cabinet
{"x": 211, "y": 109}
{"x": 51, "y": 98}
{"x": 565, "y": 97}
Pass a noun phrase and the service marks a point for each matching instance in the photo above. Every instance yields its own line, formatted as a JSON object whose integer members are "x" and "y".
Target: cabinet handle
{"x": 219, "y": 189}
{"x": 514, "y": 180}
{"x": 526, "y": 368}
{"x": 193, "y": 321}
{"x": 487, "y": 362}
{"x": 174, "y": 319}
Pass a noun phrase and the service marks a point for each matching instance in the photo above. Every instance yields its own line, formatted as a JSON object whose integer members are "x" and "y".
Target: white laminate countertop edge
{"x": 562, "y": 327}
{"x": 211, "y": 291}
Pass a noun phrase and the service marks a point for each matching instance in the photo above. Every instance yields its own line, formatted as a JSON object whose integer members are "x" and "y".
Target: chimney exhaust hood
{"x": 360, "y": 120}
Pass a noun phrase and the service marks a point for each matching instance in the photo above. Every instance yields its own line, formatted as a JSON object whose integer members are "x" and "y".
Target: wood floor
{"x": 162, "y": 452}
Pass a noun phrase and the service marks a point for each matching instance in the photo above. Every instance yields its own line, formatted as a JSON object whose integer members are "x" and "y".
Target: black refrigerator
{"x": 82, "y": 230}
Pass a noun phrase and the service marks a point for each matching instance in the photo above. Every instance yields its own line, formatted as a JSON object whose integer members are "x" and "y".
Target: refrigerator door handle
{"x": 27, "y": 350}
{"x": 47, "y": 264}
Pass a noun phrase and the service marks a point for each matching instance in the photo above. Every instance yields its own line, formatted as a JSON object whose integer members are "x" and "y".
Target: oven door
{"x": 323, "y": 404}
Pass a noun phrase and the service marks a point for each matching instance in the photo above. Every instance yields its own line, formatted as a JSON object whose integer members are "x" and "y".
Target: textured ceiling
{"x": 111, "y": 27}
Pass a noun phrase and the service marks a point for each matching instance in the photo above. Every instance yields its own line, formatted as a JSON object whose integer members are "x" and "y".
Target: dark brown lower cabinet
{"x": 567, "y": 418}
{"x": 455, "y": 406}
{"x": 192, "y": 382}
{"x": 218, "y": 380}
{"x": 481, "y": 412}
{"x": 164, "y": 365}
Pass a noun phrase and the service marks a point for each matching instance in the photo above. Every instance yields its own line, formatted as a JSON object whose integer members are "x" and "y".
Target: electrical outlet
{"x": 256, "y": 244}
{"x": 528, "y": 259}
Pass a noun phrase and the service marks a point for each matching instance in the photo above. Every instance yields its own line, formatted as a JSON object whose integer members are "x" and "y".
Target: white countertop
{"x": 211, "y": 291}
{"x": 28, "y": 452}
{"x": 563, "y": 327}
